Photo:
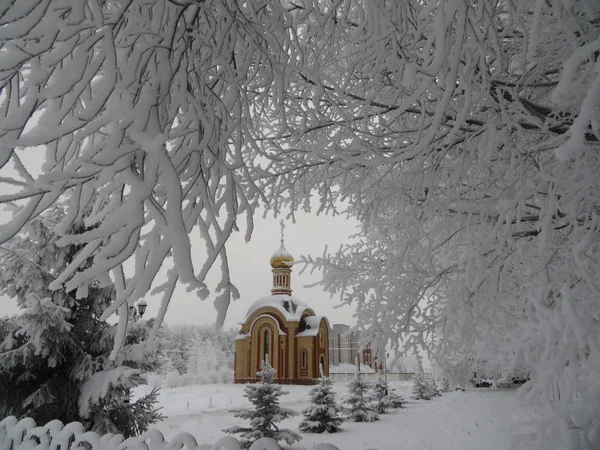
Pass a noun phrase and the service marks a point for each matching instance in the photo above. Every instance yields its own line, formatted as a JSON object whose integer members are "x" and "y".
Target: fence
{"x": 25, "y": 435}
{"x": 391, "y": 376}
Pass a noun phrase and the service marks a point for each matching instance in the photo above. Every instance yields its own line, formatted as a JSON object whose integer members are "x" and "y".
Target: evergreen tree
{"x": 323, "y": 414}
{"x": 381, "y": 397}
{"x": 54, "y": 355}
{"x": 395, "y": 400}
{"x": 357, "y": 409}
{"x": 266, "y": 412}
{"x": 434, "y": 391}
{"x": 421, "y": 389}
{"x": 446, "y": 385}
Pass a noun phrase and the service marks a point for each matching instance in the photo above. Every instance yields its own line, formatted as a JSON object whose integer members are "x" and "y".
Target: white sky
{"x": 251, "y": 272}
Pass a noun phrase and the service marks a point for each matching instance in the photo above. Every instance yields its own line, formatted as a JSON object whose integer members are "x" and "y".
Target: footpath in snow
{"x": 478, "y": 419}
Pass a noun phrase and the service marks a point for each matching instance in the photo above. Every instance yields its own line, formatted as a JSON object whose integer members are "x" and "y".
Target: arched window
{"x": 303, "y": 359}
{"x": 266, "y": 344}
{"x": 322, "y": 364}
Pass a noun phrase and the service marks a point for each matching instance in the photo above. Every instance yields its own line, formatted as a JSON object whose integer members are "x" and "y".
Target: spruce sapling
{"x": 357, "y": 409}
{"x": 381, "y": 396}
{"x": 267, "y": 411}
{"x": 421, "y": 389}
{"x": 323, "y": 414}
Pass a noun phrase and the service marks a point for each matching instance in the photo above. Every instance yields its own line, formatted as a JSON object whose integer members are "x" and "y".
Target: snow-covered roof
{"x": 312, "y": 326}
{"x": 310, "y": 332}
{"x": 281, "y": 332}
{"x": 290, "y": 307}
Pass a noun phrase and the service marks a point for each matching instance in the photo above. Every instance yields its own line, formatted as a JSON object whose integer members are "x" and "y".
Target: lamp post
{"x": 137, "y": 312}
{"x": 387, "y": 355}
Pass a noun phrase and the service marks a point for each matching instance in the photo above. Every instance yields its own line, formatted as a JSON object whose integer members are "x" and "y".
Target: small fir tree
{"x": 357, "y": 409}
{"x": 421, "y": 389}
{"x": 266, "y": 412}
{"x": 446, "y": 385}
{"x": 381, "y": 396}
{"x": 394, "y": 400}
{"x": 434, "y": 391}
{"x": 323, "y": 414}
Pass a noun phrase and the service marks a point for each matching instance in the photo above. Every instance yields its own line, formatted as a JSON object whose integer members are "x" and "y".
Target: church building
{"x": 284, "y": 329}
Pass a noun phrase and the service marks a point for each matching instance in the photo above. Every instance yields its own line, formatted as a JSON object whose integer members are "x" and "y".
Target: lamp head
{"x": 142, "y": 304}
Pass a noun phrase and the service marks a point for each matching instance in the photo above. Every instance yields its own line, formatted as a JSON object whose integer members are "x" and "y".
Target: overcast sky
{"x": 251, "y": 272}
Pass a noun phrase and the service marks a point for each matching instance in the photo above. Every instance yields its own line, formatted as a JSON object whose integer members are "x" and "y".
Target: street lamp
{"x": 387, "y": 355}
{"x": 142, "y": 304}
{"x": 137, "y": 312}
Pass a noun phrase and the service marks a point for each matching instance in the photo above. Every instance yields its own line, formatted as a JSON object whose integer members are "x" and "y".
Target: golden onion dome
{"x": 282, "y": 258}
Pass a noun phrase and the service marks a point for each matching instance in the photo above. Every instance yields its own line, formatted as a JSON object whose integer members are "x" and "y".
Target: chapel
{"x": 283, "y": 329}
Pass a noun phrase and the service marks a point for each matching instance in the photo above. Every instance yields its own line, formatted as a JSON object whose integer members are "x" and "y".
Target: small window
{"x": 303, "y": 359}
{"x": 266, "y": 345}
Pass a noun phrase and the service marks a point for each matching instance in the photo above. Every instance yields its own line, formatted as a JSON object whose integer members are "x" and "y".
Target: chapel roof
{"x": 312, "y": 326}
{"x": 290, "y": 307}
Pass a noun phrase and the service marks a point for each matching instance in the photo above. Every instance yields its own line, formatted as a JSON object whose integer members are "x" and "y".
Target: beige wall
{"x": 285, "y": 350}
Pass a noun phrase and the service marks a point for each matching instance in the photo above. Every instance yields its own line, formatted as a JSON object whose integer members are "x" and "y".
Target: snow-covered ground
{"x": 478, "y": 419}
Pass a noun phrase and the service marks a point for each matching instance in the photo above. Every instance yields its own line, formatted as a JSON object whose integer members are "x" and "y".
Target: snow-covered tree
{"x": 394, "y": 400}
{"x": 434, "y": 391}
{"x": 55, "y": 355}
{"x": 446, "y": 386}
{"x": 357, "y": 402}
{"x": 381, "y": 390}
{"x": 264, "y": 396}
{"x": 146, "y": 112}
{"x": 323, "y": 414}
{"x": 463, "y": 135}
{"x": 421, "y": 388}
{"x": 200, "y": 354}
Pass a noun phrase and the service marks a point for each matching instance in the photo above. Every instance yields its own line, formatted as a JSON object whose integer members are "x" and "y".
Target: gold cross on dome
{"x": 282, "y": 225}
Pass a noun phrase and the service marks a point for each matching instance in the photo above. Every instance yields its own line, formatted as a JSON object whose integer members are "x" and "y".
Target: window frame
{"x": 303, "y": 359}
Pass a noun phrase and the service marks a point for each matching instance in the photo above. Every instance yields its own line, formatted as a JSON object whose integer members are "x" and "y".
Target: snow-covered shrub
{"x": 421, "y": 388}
{"x": 264, "y": 396}
{"x": 357, "y": 408}
{"x": 323, "y": 414}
